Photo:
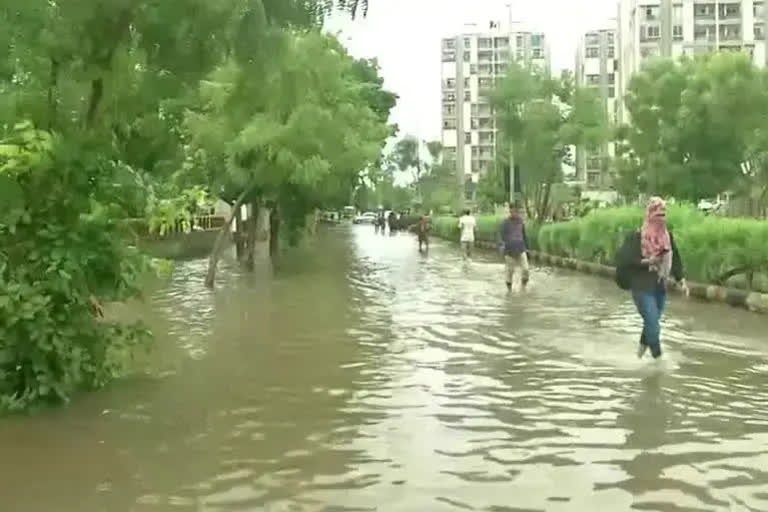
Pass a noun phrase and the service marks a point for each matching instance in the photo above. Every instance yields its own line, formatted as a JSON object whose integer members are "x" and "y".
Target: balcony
{"x": 485, "y": 70}
{"x": 704, "y": 12}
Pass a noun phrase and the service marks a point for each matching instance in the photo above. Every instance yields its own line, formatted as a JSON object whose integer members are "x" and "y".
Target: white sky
{"x": 405, "y": 36}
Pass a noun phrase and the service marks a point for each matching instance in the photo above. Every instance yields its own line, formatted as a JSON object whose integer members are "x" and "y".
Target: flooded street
{"x": 362, "y": 376}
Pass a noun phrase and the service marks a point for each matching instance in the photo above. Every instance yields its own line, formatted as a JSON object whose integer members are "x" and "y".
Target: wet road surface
{"x": 361, "y": 376}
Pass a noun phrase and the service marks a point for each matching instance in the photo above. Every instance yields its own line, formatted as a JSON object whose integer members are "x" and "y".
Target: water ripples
{"x": 380, "y": 379}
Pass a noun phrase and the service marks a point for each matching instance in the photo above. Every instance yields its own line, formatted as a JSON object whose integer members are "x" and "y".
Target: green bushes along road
{"x": 715, "y": 250}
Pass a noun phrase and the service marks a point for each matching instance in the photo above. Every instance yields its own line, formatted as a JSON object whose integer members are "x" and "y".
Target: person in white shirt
{"x": 468, "y": 227}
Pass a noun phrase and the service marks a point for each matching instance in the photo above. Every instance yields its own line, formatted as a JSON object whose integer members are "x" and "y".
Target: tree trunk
{"x": 239, "y": 235}
{"x": 213, "y": 261}
{"x": 253, "y": 226}
{"x": 274, "y": 231}
{"x": 53, "y": 94}
{"x": 97, "y": 93}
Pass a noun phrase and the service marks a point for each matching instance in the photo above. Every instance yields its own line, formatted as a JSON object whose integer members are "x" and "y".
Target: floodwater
{"x": 362, "y": 376}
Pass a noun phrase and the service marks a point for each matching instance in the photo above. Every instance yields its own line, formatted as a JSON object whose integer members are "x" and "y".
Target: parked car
{"x": 366, "y": 218}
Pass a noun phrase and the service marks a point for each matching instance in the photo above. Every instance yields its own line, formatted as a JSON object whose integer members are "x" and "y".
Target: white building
{"x": 597, "y": 67}
{"x": 688, "y": 27}
{"x": 472, "y": 62}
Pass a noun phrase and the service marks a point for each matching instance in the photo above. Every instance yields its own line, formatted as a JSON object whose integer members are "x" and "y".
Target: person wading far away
{"x": 422, "y": 230}
{"x": 514, "y": 245}
{"x": 468, "y": 227}
{"x": 646, "y": 264}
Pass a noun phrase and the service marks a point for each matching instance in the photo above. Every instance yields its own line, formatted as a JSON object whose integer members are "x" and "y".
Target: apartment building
{"x": 597, "y": 67}
{"x": 674, "y": 28}
{"x": 472, "y": 63}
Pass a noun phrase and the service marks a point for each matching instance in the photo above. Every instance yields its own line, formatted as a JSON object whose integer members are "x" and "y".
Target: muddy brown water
{"x": 362, "y": 376}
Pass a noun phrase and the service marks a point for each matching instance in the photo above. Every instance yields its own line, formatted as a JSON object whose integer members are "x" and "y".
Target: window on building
{"x": 611, "y": 92}
{"x": 611, "y": 52}
{"x": 449, "y": 96}
{"x": 592, "y": 52}
{"x": 467, "y": 43}
{"x": 537, "y": 40}
{"x": 466, "y": 83}
{"x": 520, "y": 54}
{"x": 449, "y": 56}
{"x": 759, "y": 9}
{"x": 593, "y": 79}
{"x": 449, "y": 110}
{"x": 706, "y": 33}
{"x": 611, "y": 38}
{"x": 450, "y": 83}
{"x": 473, "y": 69}
{"x": 611, "y": 78}
{"x": 677, "y": 32}
{"x": 730, "y": 32}
{"x": 537, "y": 53}
{"x": 519, "y": 41}
{"x": 651, "y": 12}
{"x": 502, "y": 42}
{"x": 474, "y": 123}
{"x": 704, "y": 10}
{"x": 592, "y": 39}
{"x": 593, "y": 162}
{"x": 730, "y": 10}
{"x": 466, "y": 56}
{"x": 467, "y": 96}
{"x": 651, "y": 32}
{"x": 484, "y": 43}
{"x": 475, "y": 151}
{"x": 468, "y": 138}
{"x": 593, "y": 179}
{"x": 449, "y": 124}
{"x": 759, "y": 31}
{"x": 449, "y": 44}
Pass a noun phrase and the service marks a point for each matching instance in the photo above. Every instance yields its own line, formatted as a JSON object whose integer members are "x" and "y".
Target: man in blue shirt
{"x": 514, "y": 244}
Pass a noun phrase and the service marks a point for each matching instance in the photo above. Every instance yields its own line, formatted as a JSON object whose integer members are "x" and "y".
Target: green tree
{"x": 299, "y": 135}
{"x": 542, "y": 117}
{"x": 695, "y": 125}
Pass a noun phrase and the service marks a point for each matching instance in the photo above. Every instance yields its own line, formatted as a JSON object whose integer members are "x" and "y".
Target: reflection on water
{"x": 360, "y": 375}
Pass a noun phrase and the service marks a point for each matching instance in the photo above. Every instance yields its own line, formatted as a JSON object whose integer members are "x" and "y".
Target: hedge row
{"x": 711, "y": 247}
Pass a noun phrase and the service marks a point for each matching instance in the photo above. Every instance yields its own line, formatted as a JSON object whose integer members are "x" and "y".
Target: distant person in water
{"x": 423, "y": 229}
{"x": 650, "y": 261}
{"x": 392, "y": 220}
{"x": 514, "y": 246}
{"x": 468, "y": 228}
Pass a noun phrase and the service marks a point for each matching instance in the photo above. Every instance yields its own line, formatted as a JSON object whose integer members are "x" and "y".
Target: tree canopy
{"x": 697, "y": 126}
{"x": 543, "y": 117}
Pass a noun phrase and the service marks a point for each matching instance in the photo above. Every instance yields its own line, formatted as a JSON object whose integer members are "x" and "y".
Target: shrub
{"x": 710, "y": 246}
{"x": 61, "y": 255}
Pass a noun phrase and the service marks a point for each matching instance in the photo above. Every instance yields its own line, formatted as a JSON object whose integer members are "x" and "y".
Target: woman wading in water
{"x": 647, "y": 263}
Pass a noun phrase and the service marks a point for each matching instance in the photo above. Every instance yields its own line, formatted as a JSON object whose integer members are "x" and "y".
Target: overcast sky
{"x": 405, "y": 36}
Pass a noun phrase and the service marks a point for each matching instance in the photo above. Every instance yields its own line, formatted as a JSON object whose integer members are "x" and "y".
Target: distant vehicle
{"x": 366, "y": 218}
{"x": 348, "y": 212}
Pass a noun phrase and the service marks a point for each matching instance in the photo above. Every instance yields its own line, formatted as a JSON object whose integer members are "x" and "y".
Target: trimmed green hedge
{"x": 710, "y": 246}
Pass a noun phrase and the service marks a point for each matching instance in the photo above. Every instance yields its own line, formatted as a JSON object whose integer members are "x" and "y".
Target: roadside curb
{"x": 752, "y": 301}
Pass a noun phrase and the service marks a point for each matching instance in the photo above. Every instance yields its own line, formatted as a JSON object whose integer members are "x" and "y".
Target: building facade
{"x": 673, "y": 28}
{"x": 472, "y": 63}
{"x": 597, "y": 67}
